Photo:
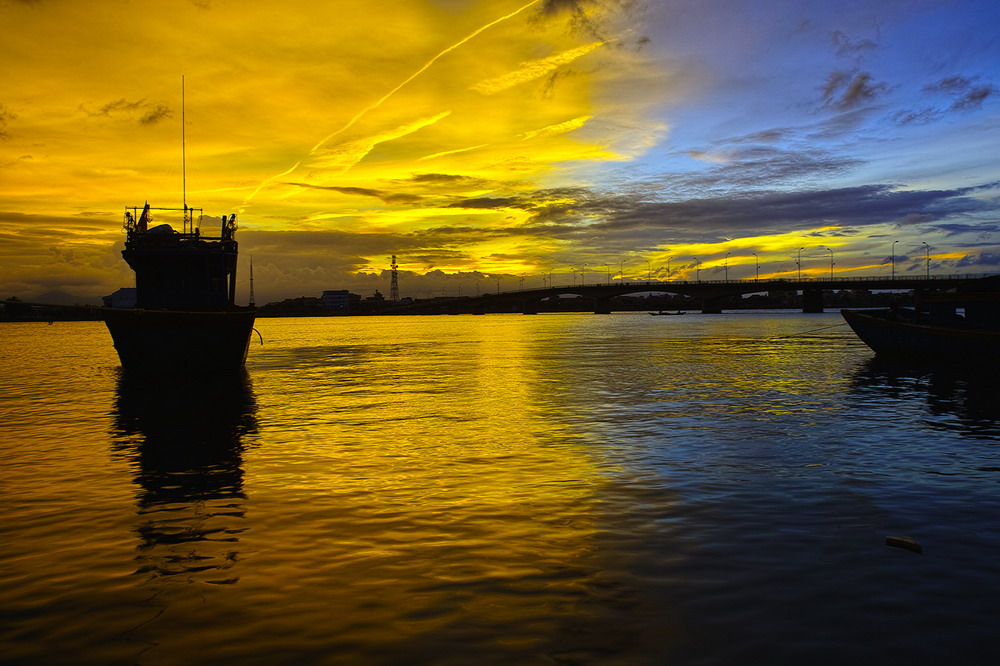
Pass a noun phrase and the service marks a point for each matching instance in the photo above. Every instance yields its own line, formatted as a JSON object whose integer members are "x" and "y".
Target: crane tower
{"x": 394, "y": 282}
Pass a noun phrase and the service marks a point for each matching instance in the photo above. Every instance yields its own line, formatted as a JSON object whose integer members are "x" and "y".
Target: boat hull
{"x": 913, "y": 340}
{"x": 167, "y": 341}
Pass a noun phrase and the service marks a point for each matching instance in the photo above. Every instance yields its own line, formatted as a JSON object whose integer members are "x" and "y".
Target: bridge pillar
{"x": 602, "y": 306}
{"x": 711, "y": 305}
{"x": 812, "y": 300}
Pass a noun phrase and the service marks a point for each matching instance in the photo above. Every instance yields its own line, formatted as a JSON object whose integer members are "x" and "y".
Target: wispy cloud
{"x": 534, "y": 69}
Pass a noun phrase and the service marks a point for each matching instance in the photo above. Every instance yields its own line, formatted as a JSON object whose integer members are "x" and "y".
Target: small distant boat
{"x": 963, "y": 326}
{"x": 663, "y": 312}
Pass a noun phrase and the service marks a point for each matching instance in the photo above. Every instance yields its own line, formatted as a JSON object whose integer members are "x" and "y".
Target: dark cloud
{"x": 5, "y": 117}
{"x": 120, "y": 105}
{"x": 919, "y": 117}
{"x": 439, "y": 178}
{"x": 845, "y": 90}
{"x": 713, "y": 219}
{"x": 155, "y": 115}
{"x": 761, "y": 166}
{"x": 951, "y": 84}
{"x": 982, "y": 259}
{"x": 964, "y": 228}
{"x": 973, "y": 98}
{"x": 582, "y": 19}
{"x": 441, "y": 183}
{"x": 491, "y": 202}
{"x": 143, "y": 111}
{"x": 385, "y": 197}
{"x": 965, "y": 92}
{"x": 765, "y": 136}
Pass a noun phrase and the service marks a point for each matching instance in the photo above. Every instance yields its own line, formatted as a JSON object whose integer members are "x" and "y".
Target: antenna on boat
{"x": 184, "y": 157}
{"x": 251, "y": 282}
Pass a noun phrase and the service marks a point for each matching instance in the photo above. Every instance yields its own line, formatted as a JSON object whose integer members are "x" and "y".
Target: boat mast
{"x": 252, "y": 304}
{"x": 184, "y": 157}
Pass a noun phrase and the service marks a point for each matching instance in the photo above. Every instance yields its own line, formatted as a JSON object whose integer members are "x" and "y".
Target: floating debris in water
{"x": 909, "y": 543}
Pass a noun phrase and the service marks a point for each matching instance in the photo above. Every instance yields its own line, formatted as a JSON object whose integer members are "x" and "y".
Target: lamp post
{"x": 608, "y": 266}
{"x": 798, "y": 263}
{"x": 697, "y": 269}
{"x": 757, "y": 262}
{"x": 583, "y": 275}
{"x": 649, "y": 272}
{"x": 668, "y": 267}
{"x": 927, "y": 258}
{"x": 831, "y": 262}
{"x": 892, "y": 258}
{"x": 621, "y": 270}
{"x": 727, "y": 265}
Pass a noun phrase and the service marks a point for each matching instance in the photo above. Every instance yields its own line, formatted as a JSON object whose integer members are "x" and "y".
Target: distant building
{"x": 376, "y": 299}
{"x": 304, "y": 306}
{"x": 339, "y": 299}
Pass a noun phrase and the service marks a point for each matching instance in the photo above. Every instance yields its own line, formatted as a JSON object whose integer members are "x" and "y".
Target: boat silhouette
{"x": 184, "y": 317}
{"x": 959, "y": 326}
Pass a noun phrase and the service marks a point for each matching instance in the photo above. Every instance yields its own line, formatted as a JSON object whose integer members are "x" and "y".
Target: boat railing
{"x": 138, "y": 220}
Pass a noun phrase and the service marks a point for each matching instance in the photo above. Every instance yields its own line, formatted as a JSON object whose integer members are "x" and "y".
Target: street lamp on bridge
{"x": 608, "y": 266}
{"x": 697, "y": 268}
{"x": 649, "y": 272}
{"x": 668, "y": 267}
{"x": 831, "y": 262}
{"x": 798, "y": 263}
{"x": 726, "y": 265}
{"x": 892, "y": 258}
{"x": 927, "y": 258}
{"x": 757, "y": 262}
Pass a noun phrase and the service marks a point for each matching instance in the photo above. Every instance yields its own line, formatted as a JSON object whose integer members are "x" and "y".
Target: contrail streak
{"x": 427, "y": 65}
{"x": 371, "y": 107}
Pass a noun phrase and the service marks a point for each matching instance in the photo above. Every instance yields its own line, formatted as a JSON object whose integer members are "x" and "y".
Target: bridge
{"x": 708, "y": 294}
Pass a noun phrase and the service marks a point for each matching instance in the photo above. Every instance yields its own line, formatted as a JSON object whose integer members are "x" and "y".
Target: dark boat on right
{"x": 962, "y": 326}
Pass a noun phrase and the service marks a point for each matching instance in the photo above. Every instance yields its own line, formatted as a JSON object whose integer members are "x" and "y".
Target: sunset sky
{"x": 503, "y": 139}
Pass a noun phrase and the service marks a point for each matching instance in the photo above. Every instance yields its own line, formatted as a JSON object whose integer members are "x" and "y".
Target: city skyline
{"x": 504, "y": 139}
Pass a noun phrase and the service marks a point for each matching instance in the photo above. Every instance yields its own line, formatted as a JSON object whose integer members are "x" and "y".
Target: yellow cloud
{"x": 445, "y": 153}
{"x": 533, "y": 69}
{"x": 344, "y": 156}
{"x": 558, "y": 128}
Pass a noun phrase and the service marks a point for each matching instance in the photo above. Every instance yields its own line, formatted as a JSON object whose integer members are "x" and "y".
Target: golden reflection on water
{"x": 431, "y": 493}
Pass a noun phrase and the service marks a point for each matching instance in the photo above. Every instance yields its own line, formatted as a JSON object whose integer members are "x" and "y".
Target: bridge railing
{"x": 640, "y": 284}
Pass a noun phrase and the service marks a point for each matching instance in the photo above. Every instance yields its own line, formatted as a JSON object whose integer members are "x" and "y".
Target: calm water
{"x": 501, "y": 489}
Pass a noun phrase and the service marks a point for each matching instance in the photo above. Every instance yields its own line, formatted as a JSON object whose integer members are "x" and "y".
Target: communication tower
{"x": 394, "y": 282}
